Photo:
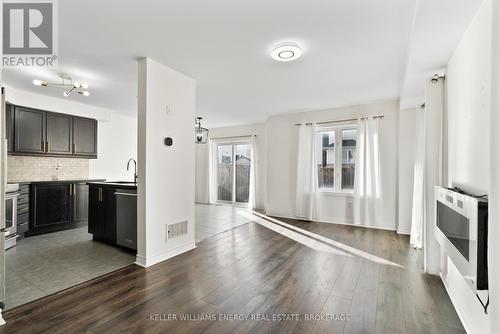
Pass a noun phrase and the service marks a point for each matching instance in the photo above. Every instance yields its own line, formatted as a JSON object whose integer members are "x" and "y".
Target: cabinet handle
{"x": 43, "y": 146}
{"x": 48, "y": 147}
{"x": 74, "y": 148}
{"x": 125, "y": 194}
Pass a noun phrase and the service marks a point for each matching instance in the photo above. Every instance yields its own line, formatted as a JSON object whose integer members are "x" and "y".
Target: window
{"x": 336, "y": 157}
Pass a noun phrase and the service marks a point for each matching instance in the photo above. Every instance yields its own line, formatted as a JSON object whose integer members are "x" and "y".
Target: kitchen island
{"x": 113, "y": 213}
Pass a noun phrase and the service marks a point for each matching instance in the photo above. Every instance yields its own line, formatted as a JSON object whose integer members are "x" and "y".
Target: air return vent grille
{"x": 177, "y": 230}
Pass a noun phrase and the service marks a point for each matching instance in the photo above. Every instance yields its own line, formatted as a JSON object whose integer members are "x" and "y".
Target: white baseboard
{"x": 460, "y": 316}
{"x": 152, "y": 260}
{"x": 403, "y": 231}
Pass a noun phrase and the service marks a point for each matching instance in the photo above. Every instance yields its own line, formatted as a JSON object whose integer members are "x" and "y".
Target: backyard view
{"x": 326, "y": 157}
{"x": 233, "y": 172}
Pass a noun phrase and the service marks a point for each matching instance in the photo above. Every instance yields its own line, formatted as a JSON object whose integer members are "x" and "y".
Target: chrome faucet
{"x": 135, "y": 168}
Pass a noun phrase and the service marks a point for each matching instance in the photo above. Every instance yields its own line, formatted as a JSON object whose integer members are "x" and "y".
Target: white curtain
{"x": 367, "y": 191}
{"x": 305, "y": 205}
{"x": 253, "y": 174}
{"x": 212, "y": 187}
{"x": 418, "y": 211}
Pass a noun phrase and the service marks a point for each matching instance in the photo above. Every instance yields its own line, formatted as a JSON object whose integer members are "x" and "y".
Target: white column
{"x": 494, "y": 195}
{"x": 433, "y": 125}
{"x": 166, "y": 184}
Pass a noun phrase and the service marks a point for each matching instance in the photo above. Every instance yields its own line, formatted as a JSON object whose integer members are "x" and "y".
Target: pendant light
{"x": 200, "y": 132}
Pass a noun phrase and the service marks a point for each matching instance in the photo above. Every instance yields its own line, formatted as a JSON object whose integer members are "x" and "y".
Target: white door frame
{"x": 227, "y": 142}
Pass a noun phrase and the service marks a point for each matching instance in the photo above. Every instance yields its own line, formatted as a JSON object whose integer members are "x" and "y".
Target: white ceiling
{"x": 438, "y": 28}
{"x": 355, "y": 51}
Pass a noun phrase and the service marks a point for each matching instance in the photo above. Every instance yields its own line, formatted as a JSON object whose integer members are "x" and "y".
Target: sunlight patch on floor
{"x": 312, "y": 240}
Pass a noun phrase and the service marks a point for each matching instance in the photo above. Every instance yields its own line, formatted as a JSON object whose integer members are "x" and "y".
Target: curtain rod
{"x": 342, "y": 120}
{"x": 231, "y": 137}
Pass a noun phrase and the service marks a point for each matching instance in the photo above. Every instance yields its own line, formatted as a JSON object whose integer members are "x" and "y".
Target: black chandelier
{"x": 201, "y": 133}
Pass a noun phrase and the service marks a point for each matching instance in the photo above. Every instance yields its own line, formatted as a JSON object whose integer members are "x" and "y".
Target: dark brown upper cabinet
{"x": 84, "y": 136}
{"x": 29, "y": 130}
{"x": 59, "y": 134}
{"x": 38, "y": 132}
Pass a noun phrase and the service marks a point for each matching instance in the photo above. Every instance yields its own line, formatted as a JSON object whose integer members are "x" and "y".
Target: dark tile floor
{"x": 40, "y": 265}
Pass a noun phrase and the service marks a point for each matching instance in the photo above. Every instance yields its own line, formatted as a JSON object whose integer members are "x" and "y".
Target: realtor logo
{"x": 29, "y": 33}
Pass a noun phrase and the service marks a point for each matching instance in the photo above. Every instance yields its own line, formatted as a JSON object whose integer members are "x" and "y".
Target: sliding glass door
{"x": 232, "y": 177}
{"x": 225, "y": 173}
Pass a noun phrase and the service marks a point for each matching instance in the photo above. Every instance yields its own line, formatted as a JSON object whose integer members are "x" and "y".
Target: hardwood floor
{"x": 254, "y": 271}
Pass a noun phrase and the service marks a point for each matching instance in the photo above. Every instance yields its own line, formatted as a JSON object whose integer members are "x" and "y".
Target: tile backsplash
{"x": 21, "y": 168}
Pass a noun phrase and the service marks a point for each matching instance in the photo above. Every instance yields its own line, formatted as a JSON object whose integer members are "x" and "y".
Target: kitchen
{"x": 71, "y": 195}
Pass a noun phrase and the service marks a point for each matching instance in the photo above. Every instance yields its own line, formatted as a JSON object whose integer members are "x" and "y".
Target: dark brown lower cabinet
{"x": 56, "y": 206}
{"x": 102, "y": 213}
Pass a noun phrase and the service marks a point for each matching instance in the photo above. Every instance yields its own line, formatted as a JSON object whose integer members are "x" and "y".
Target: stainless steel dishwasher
{"x": 126, "y": 218}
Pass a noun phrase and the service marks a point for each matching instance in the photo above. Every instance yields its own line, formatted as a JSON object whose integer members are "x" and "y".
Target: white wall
{"x": 406, "y": 155}
{"x": 117, "y": 142}
{"x": 282, "y": 137}
{"x": 202, "y": 160}
{"x": 166, "y": 174}
{"x": 469, "y": 88}
{"x": 117, "y": 133}
{"x": 494, "y": 196}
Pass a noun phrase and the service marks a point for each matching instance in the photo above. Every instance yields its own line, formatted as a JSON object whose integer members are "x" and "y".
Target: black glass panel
{"x": 455, "y": 227}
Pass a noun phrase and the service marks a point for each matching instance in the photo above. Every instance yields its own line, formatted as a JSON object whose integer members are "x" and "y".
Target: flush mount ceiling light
{"x": 201, "y": 133}
{"x": 67, "y": 84}
{"x": 286, "y": 52}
